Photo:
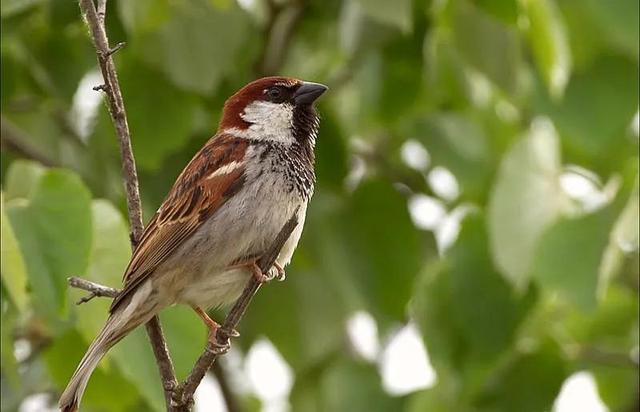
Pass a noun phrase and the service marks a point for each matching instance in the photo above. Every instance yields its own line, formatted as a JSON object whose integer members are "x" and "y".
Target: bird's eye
{"x": 275, "y": 94}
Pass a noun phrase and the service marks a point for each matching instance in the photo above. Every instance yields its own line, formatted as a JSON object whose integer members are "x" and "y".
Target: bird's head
{"x": 274, "y": 108}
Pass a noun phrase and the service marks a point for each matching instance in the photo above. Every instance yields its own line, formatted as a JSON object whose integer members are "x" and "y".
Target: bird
{"x": 223, "y": 212}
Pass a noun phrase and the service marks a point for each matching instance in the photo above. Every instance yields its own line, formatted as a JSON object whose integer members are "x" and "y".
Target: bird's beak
{"x": 308, "y": 92}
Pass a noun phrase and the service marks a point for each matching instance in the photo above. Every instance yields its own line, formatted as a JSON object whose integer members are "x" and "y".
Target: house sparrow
{"x": 224, "y": 210}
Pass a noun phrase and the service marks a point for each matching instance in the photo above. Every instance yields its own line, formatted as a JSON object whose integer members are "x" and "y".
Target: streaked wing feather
{"x": 197, "y": 194}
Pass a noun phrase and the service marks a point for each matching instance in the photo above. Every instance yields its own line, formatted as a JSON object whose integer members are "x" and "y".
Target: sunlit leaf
{"x": 182, "y": 45}
{"x": 548, "y": 39}
{"x": 21, "y": 179}
{"x": 525, "y": 200}
{"x": 487, "y": 44}
{"x": 54, "y": 233}
{"x": 594, "y": 129}
{"x": 396, "y": 13}
{"x": 569, "y": 254}
{"x": 14, "y": 272}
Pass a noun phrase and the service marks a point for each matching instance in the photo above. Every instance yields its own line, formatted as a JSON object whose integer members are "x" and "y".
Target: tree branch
{"x": 95, "y": 21}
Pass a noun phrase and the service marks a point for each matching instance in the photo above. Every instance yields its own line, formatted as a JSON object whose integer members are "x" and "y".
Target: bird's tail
{"x": 119, "y": 324}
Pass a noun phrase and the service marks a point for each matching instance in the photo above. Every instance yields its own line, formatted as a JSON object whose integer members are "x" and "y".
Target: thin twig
{"x": 184, "y": 394}
{"x": 96, "y": 289}
{"x": 95, "y": 20}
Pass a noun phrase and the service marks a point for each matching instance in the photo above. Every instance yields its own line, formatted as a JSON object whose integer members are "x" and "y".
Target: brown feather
{"x": 195, "y": 197}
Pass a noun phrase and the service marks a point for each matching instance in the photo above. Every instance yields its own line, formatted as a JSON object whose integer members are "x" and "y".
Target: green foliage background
{"x": 508, "y": 95}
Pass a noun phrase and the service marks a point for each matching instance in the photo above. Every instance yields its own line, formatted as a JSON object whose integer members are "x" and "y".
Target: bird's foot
{"x": 276, "y": 272}
{"x": 214, "y": 328}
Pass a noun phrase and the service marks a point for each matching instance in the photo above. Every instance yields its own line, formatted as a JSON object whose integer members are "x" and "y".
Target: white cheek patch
{"x": 269, "y": 121}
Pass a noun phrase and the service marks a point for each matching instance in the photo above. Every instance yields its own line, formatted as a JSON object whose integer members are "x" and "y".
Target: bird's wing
{"x": 213, "y": 176}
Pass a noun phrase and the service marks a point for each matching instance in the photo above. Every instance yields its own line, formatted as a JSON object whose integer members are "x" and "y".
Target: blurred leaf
{"x": 617, "y": 387}
{"x": 350, "y": 386}
{"x": 13, "y": 7}
{"x": 505, "y": 10}
{"x": 548, "y": 39}
{"x": 619, "y": 22}
{"x": 396, "y": 14}
{"x": 525, "y": 200}
{"x": 401, "y": 76}
{"x": 182, "y": 46}
{"x": 466, "y": 311}
{"x": 186, "y": 336}
{"x": 110, "y": 253}
{"x": 460, "y": 144}
{"x": 331, "y": 154}
{"x": 489, "y": 46}
{"x": 568, "y": 256}
{"x": 54, "y": 233}
{"x": 609, "y": 326}
{"x": 61, "y": 359}
{"x": 594, "y": 127}
{"x": 530, "y": 383}
{"x": 307, "y": 334}
{"x": 161, "y": 116}
{"x": 135, "y": 360}
{"x": 22, "y": 177}
{"x": 14, "y": 272}
{"x": 385, "y": 267}
{"x": 7, "y": 351}
{"x": 487, "y": 310}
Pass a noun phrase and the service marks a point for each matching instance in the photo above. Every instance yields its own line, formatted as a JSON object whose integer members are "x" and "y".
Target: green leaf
{"x": 22, "y": 177}
{"x": 488, "y": 45}
{"x": 548, "y": 39}
{"x": 107, "y": 389}
{"x": 54, "y": 233}
{"x": 530, "y": 383}
{"x": 385, "y": 257}
{"x": 525, "y": 200}
{"x": 182, "y": 46}
{"x": 161, "y": 118}
{"x": 594, "y": 129}
{"x": 13, "y": 269}
{"x": 569, "y": 254}
{"x": 466, "y": 311}
{"x": 110, "y": 251}
{"x": 505, "y": 10}
{"x": 461, "y": 145}
{"x": 350, "y": 386}
{"x": 186, "y": 336}
{"x": 304, "y": 336}
{"x": 7, "y": 351}
{"x": 393, "y": 13}
{"x": 619, "y": 22}
{"x": 134, "y": 358}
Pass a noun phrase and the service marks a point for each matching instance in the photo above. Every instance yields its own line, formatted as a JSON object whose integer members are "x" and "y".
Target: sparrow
{"x": 223, "y": 212}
